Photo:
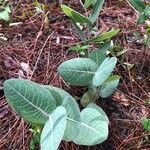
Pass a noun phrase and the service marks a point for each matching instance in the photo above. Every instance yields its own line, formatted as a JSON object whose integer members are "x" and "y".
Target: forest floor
{"x": 27, "y": 39}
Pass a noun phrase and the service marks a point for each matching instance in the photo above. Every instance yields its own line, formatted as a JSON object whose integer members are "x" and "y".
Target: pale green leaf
{"x": 93, "y": 127}
{"x": 73, "y": 116}
{"x": 78, "y": 71}
{"x": 104, "y": 71}
{"x": 54, "y": 129}
{"x": 104, "y": 36}
{"x": 7, "y": 8}
{"x": 96, "y": 10}
{"x": 76, "y": 16}
{"x": 55, "y": 93}
{"x": 4, "y": 15}
{"x": 76, "y": 125}
{"x": 100, "y": 110}
{"x": 73, "y": 112}
{"x": 30, "y": 100}
{"x": 108, "y": 87}
{"x": 97, "y": 56}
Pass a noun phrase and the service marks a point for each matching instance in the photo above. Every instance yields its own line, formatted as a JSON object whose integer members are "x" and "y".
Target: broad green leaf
{"x": 73, "y": 116}
{"x": 93, "y": 127}
{"x": 57, "y": 95}
{"x": 108, "y": 87}
{"x": 104, "y": 71}
{"x": 100, "y": 110}
{"x": 78, "y": 71}
{"x": 73, "y": 112}
{"x": 138, "y": 4}
{"x": 75, "y": 123}
{"x": 96, "y": 10}
{"x": 7, "y": 8}
{"x": 54, "y": 129}
{"x": 97, "y": 56}
{"x": 104, "y": 36}
{"x": 4, "y": 15}
{"x": 146, "y": 124}
{"x": 88, "y": 97}
{"x": 77, "y": 17}
{"x": 30, "y": 100}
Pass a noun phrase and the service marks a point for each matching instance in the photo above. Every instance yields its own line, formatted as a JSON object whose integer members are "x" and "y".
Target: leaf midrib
{"x": 79, "y": 71}
{"x": 82, "y": 123}
{"x": 43, "y": 112}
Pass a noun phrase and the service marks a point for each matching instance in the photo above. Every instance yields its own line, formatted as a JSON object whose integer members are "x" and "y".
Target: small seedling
{"x": 80, "y": 49}
{"x": 93, "y": 72}
{"x": 85, "y": 27}
{"x": 78, "y": 19}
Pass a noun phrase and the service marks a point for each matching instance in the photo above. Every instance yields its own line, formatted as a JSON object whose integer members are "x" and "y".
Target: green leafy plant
{"x": 4, "y": 10}
{"x": 58, "y": 112}
{"x": 80, "y": 49}
{"x": 80, "y": 21}
{"x": 93, "y": 72}
{"x": 84, "y": 26}
{"x": 143, "y": 9}
{"x": 88, "y": 71}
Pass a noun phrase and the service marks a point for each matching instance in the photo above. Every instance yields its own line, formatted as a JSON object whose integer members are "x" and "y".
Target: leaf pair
{"x": 75, "y": 121}
{"x": 93, "y": 128}
{"x": 59, "y": 111}
{"x": 84, "y": 71}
